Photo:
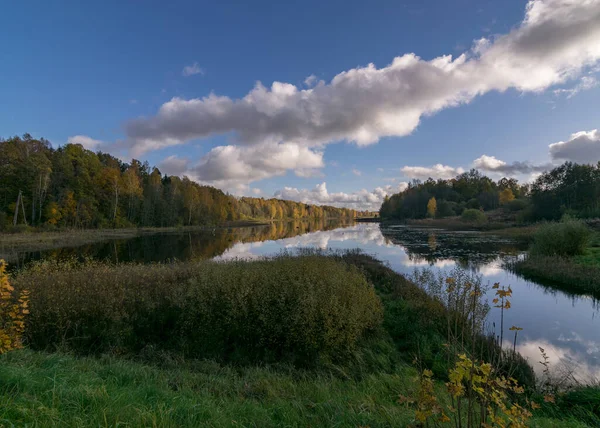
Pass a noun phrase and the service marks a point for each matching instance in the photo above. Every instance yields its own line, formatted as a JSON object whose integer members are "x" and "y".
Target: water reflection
{"x": 564, "y": 325}
{"x": 197, "y": 245}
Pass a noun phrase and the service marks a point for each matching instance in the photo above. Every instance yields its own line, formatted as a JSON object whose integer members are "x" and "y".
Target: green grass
{"x": 591, "y": 255}
{"x": 59, "y": 390}
{"x": 578, "y": 274}
{"x": 566, "y": 239}
{"x": 157, "y": 387}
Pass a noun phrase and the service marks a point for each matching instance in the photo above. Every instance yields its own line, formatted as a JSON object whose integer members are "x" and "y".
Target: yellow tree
{"x": 431, "y": 207}
{"x": 506, "y": 196}
{"x": 12, "y": 314}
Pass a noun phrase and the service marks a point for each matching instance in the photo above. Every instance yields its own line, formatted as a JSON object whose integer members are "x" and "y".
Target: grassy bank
{"x": 36, "y": 240}
{"x": 557, "y": 262}
{"x": 40, "y": 389}
{"x": 294, "y": 341}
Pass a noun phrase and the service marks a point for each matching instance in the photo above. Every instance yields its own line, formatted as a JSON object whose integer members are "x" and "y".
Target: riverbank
{"x": 34, "y": 240}
{"x": 149, "y": 382}
{"x": 576, "y": 274}
{"x": 504, "y": 229}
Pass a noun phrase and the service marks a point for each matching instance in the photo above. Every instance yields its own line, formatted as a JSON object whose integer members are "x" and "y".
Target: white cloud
{"x": 285, "y": 128}
{"x": 190, "y": 70}
{"x": 555, "y": 42}
{"x": 492, "y": 164}
{"x": 582, "y": 147}
{"x": 234, "y": 167}
{"x": 256, "y": 191}
{"x": 586, "y": 83}
{"x": 310, "y": 80}
{"x": 357, "y": 172}
{"x": 360, "y": 200}
{"x": 87, "y": 142}
{"x": 435, "y": 171}
{"x": 174, "y": 165}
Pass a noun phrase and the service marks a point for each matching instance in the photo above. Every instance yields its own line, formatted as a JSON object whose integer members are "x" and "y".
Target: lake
{"x": 565, "y": 325}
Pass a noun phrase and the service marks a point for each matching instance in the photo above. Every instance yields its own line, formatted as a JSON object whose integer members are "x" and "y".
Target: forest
{"x": 570, "y": 188}
{"x": 76, "y": 188}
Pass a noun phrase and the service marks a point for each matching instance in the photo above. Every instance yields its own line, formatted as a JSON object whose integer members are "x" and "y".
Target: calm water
{"x": 566, "y": 326}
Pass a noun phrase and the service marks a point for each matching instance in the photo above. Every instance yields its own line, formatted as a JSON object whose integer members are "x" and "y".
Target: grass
{"x": 301, "y": 309}
{"x": 559, "y": 272}
{"x": 565, "y": 239}
{"x": 591, "y": 255}
{"x": 155, "y": 387}
{"x": 59, "y": 390}
{"x": 579, "y": 274}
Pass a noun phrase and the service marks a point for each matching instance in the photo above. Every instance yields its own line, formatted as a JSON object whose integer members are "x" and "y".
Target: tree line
{"x": 570, "y": 188}
{"x": 447, "y": 198}
{"x": 73, "y": 187}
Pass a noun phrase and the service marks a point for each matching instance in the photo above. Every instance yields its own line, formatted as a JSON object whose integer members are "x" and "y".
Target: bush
{"x": 516, "y": 205}
{"x": 473, "y": 216}
{"x": 568, "y": 238}
{"x": 298, "y": 309}
{"x": 473, "y": 204}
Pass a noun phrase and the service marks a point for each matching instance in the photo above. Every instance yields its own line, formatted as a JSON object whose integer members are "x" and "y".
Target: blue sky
{"x": 89, "y": 69}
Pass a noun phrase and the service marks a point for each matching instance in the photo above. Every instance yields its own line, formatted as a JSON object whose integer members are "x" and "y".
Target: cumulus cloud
{"x": 492, "y": 164}
{"x": 582, "y": 147}
{"x": 435, "y": 171}
{"x": 357, "y": 172}
{"x": 87, "y": 142}
{"x": 234, "y": 167}
{"x": 360, "y": 200}
{"x": 174, "y": 165}
{"x": 190, "y": 70}
{"x": 556, "y": 40}
{"x": 283, "y": 127}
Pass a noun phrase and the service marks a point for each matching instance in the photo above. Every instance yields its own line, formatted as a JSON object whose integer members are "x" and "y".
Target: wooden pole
{"x": 23, "y": 208}
{"x": 17, "y": 209}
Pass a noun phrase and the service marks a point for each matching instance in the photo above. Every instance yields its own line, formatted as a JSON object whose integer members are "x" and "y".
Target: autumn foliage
{"x": 12, "y": 313}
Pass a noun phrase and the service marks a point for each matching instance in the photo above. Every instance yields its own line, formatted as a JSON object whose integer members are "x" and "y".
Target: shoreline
{"x": 39, "y": 240}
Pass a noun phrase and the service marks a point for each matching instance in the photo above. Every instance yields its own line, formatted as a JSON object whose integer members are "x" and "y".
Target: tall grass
{"x": 559, "y": 272}
{"x": 166, "y": 310}
{"x": 565, "y": 239}
{"x": 300, "y": 309}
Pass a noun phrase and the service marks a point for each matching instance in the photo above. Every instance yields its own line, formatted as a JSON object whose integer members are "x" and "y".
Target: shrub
{"x": 473, "y": 204}
{"x": 568, "y": 238}
{"x": 298, "y": 309}
{"x": 473, "y": 216}
{"x": 12, "y": 313}
{"x": 516, "y": 205}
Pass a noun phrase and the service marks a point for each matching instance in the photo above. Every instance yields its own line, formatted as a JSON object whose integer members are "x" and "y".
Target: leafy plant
{"x": 13, "y": 310}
